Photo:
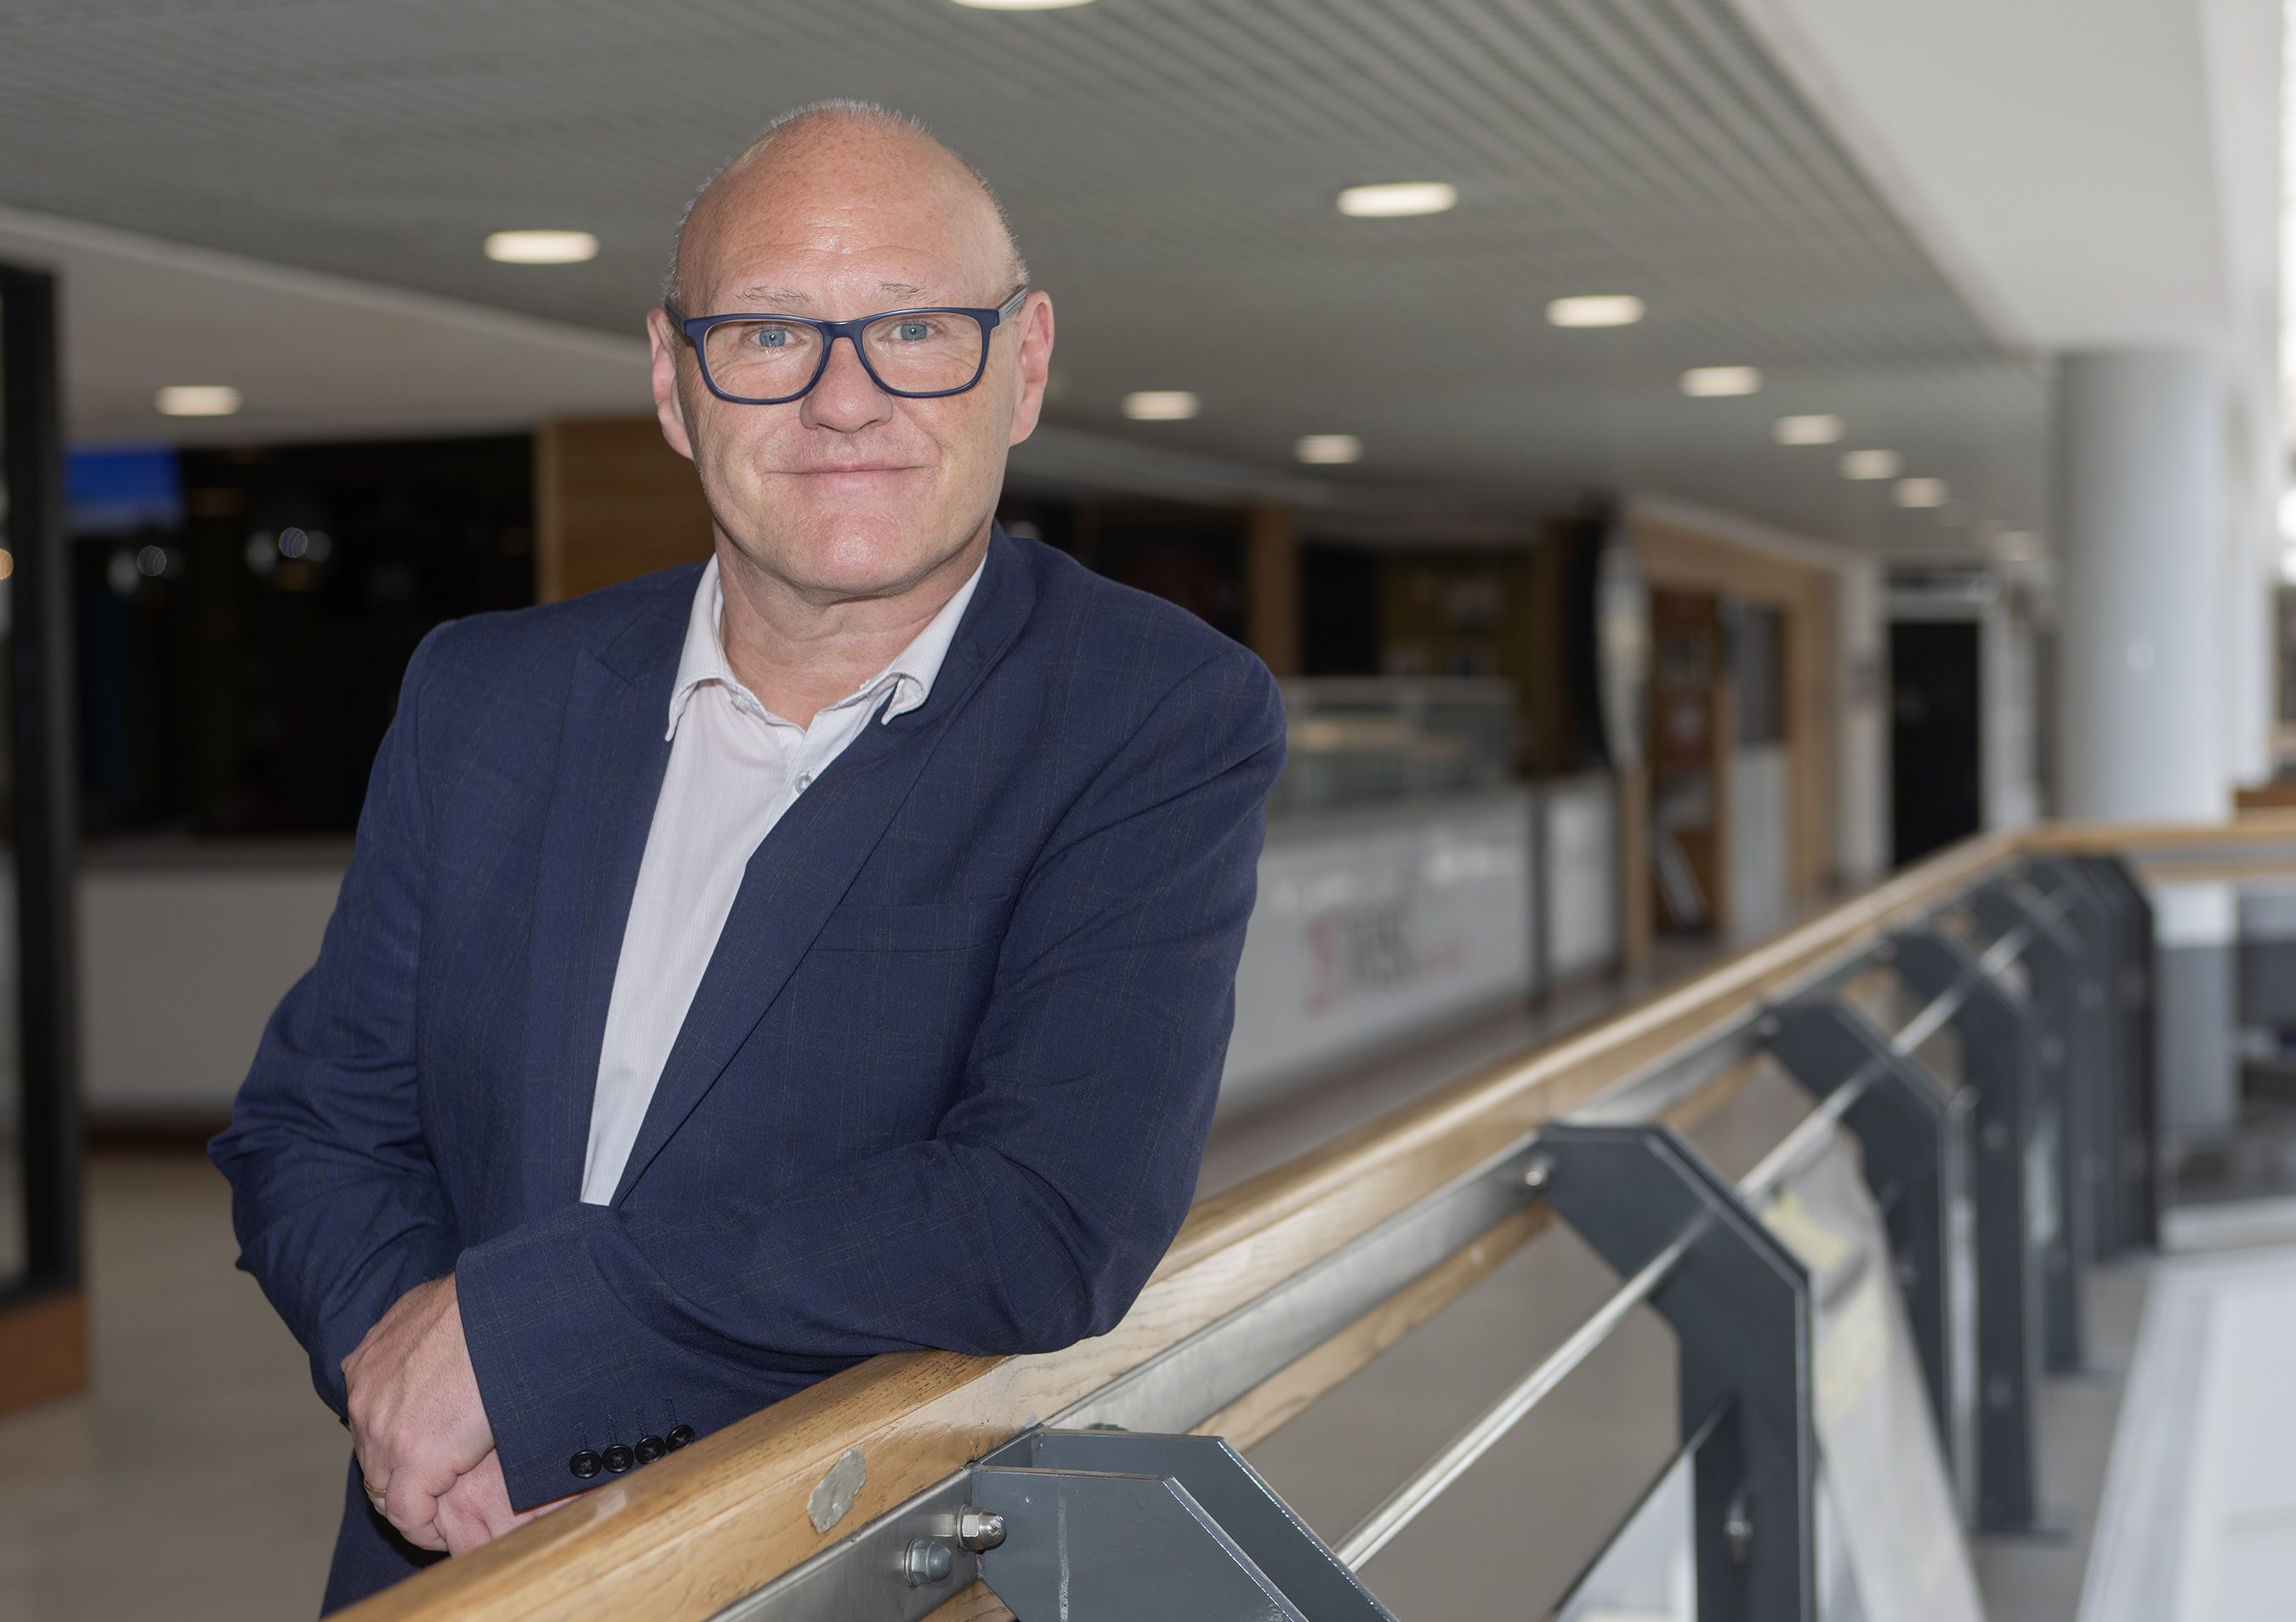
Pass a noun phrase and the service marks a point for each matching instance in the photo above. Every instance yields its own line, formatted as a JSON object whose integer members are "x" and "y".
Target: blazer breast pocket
{"x": 957, "y": 926}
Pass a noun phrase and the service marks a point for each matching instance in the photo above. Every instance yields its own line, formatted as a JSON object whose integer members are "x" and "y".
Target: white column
{"x": 2145, "y": 689}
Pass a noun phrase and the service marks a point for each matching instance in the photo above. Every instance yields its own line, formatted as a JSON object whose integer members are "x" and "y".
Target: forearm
{"x": 593, "y": 1325}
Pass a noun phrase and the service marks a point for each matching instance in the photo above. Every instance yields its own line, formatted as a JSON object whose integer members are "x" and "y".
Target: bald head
{"x": 820, "y": 165}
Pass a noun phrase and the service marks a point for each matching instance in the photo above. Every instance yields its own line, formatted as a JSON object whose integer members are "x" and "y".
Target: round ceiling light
{"x": 1161, "y": 404}
{"x": 198, "y": 399}
{"x": 1329, "y": 450}
{"x": 1398, "y": 199}
{"x": 1719, "y": 383}
{"x": 1920, "y": 493}
{"x": 1815, "y": 430}
{"x": 1595, "y": 309}
{"x": 541, "y": 247}
{"x": 1870, "y": 464}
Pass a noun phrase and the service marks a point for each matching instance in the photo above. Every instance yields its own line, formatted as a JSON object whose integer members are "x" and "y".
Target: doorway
{"x": 1936, "y": 734}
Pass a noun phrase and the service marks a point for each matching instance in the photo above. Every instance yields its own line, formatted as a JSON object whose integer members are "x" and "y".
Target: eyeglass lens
{"x": 920, "y": 353}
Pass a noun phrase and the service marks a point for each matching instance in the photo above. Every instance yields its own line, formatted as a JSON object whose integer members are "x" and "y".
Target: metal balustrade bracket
{"x": 1738, "y": 1303}
{"x": 1998, "y": 1047}
{"x": 1124, "y": 1527}
{"x": 2064, "y": 960}
{"x": 1912, "y": 1142}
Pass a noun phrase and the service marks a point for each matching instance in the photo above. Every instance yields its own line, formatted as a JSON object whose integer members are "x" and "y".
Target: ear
{"x": 666, "y": 346}
{"x": 1035, "y": 364}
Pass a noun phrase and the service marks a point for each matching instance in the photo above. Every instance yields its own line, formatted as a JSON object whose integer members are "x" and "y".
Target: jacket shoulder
{"x": 515, "y": 641}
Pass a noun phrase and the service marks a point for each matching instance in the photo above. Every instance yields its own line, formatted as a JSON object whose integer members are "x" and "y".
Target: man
{"x": 755, "y": 967}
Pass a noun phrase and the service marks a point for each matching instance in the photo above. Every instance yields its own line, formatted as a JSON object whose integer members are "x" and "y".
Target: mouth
{"x": 866, "y": 472}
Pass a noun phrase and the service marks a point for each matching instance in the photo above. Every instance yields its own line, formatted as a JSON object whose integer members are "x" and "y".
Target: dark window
{"x": 245, "y": 615}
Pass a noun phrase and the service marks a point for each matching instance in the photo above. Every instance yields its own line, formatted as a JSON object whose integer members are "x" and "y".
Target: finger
{"x": 411, "y": 1499}
{"x": 460, "y": 1524}
{"x": 489, "y": 1493}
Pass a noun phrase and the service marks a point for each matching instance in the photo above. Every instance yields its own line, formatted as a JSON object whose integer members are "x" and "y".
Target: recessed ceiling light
{"x": 1597, "y": 309}
{"x": 1161, "y": 405}
{"x": 1330, "y": 449}
{"x": 197, "y": 400}
{"x": 1020, "y": 5}
{"x": 1713, "y": 382}
{"x": 1870, "y": 464}
{"x": 1397, "y": 199}
{"x": 1920, "y": 492}
{"x": 1821, "y": 430}
{"x": 542, "y": 247}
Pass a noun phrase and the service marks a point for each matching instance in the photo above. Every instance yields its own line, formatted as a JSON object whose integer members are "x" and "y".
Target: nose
{"x": 846, "y": 398}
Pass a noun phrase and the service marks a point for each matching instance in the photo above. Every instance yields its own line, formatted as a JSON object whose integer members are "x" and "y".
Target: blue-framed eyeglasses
{"x": 770, "y": 360}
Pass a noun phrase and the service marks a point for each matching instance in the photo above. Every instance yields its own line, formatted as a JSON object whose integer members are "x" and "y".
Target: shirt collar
{"x": 910, "y": 675}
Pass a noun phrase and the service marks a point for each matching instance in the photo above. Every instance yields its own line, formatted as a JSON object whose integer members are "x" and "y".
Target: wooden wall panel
{"x": 611, "y": 501}
{"x": 1271, "y": 590}
{"x": 1682, "y": 558}
{"x": 43, "y": 1348}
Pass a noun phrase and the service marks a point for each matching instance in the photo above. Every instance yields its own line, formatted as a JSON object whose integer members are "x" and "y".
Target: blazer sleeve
{"x": 337, "y": 1209}
{"x": 1030, "y": 1220}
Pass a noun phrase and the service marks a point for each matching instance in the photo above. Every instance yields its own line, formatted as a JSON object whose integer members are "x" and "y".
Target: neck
{"x": 799, "y": 652}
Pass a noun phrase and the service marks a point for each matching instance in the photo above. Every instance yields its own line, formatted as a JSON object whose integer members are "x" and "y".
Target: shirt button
{"x": 803, "y": 781}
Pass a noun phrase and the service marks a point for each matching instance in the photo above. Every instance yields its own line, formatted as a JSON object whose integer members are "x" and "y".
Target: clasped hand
{"x": 424, "y": 1445}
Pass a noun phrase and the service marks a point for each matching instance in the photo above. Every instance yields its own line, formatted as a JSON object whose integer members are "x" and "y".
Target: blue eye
{"x": 914, "y": 332}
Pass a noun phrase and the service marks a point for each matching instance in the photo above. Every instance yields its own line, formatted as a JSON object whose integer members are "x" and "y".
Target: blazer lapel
{"x": 801, "y": 871}
{"x": 612, "y": 758}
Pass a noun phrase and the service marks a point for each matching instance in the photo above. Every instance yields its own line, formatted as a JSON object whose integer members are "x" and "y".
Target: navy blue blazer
{"x": 945, "y": 1083}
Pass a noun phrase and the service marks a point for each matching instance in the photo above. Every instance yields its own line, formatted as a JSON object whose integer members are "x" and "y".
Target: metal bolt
{"x": 1535, "y": 1175}
{"x": 927, "y": 1559}
{"x": 978, "y": 1530}
{"x": 1738, "y": 1527}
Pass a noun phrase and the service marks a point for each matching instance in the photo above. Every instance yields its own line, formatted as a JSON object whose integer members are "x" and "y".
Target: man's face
{"x": 849, "y": 492}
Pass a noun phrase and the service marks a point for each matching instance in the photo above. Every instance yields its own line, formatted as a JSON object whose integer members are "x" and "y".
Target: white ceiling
{"x": 1170, "y": 167}
{"x": 2097, "y": 173}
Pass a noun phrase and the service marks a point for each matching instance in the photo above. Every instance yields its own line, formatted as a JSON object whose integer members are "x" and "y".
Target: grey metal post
{"x": 2067, "y": 996}
{"x": 1997, "y": 1041}
{"x": 2130, "y": 1213}
{"x": 1910, "y": 1139}
{"x": 1738, "y": 1304}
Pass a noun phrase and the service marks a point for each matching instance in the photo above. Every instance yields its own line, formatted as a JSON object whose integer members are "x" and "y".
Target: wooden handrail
{"x": 693, "y": 1533}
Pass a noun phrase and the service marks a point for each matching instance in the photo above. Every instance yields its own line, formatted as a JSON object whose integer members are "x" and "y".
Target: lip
{"x": 871, "y": 471}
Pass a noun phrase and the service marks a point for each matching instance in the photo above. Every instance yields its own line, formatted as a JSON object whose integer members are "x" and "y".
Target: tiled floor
{"x": 200, "y": 1479}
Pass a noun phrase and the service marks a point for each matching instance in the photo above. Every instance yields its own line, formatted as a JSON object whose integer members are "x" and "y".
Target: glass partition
{"x": 1355, "y": 741}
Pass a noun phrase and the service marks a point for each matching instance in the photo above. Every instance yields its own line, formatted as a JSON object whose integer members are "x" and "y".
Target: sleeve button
{"x": 649, "y": 1449}
{"x": 584, "y": 1464}
{"x": 679, "y": 1437}
{"x": 618, "y": 1458}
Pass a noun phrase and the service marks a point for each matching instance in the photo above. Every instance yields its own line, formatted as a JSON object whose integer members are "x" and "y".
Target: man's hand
{"x": 417, "y": 1422}
{"x": 476, "y": 1510}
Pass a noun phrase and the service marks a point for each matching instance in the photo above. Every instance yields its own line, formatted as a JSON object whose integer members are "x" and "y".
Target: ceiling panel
{"x": 1171, "y": 170}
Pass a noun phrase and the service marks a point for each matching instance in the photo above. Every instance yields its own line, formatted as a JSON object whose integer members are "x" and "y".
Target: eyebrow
{"x": 790, "y": 298}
